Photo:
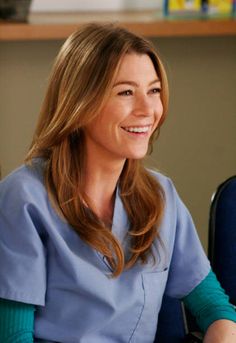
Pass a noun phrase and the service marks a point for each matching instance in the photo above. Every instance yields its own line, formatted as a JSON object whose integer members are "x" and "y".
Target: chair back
{"x": 171, "y": 322}
{"x": 222, "y": 236}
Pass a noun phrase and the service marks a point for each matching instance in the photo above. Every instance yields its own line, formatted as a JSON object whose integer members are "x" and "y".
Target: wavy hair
{"x": 79, "y": 85}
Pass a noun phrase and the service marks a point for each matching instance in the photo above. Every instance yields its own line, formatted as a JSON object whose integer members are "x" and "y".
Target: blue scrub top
{"x": 44, "y": 262}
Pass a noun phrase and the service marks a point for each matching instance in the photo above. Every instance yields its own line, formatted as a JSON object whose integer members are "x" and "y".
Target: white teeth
{"x": 136, "y": 129}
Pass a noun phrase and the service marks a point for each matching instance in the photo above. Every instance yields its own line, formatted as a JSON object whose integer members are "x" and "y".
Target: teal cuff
{"x": 16, "y": 322}
{"x": 208, "y": 302}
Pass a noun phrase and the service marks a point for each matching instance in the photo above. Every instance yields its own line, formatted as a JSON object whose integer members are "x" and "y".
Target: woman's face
{"x": 123, "y": 127}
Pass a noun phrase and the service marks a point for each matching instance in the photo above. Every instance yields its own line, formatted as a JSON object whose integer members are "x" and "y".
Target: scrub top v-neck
{"x": 45, "y": 263}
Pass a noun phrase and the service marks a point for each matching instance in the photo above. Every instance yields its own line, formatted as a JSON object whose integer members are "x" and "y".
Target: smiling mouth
{"x": 136, "y": 129}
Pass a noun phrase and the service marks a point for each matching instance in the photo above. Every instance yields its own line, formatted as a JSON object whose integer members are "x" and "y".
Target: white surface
{"x": 93, "y": 5}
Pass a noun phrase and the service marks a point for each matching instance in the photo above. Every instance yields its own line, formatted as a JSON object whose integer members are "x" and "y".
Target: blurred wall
{"x": 197, "y": 145}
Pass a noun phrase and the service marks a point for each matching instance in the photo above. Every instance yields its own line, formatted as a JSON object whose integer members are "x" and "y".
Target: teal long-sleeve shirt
{"x": 16, "y": 322}
{"x": 207, "y": 302}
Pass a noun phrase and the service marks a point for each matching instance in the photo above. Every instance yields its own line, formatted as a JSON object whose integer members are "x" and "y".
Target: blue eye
{"x": 126, "y": 92}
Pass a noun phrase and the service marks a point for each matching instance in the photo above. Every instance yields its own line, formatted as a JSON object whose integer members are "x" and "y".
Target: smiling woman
{"x": 90, "y": 240}
{"x": 80, "y": 136}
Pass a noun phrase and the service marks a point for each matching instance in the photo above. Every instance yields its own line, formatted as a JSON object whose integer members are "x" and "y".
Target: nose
{"x": 143, "y": 106}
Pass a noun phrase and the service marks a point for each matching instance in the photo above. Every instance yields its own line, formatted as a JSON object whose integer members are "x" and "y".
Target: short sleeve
{"x": 22, "y": 253}
{"x": 189, "y": 264}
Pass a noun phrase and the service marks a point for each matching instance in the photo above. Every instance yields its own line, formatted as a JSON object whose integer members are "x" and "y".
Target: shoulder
{"x": 24, "y": 182}
{"x": 165, "y": 182}
{"x": 173, "y": 201}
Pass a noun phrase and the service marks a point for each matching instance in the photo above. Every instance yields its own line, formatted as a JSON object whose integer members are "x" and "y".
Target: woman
{"x": 90, "y": 239}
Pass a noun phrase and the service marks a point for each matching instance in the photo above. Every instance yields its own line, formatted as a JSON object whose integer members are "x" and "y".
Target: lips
{"x": 136, "y": 129}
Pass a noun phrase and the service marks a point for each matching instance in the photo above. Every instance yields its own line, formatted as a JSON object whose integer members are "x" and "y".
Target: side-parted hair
{"x": 80, "y": 83}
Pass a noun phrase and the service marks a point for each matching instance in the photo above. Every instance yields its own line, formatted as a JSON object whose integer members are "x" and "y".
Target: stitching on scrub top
{"x": 144, "y": 302}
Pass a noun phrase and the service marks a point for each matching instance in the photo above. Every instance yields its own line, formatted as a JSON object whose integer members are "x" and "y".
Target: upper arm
{"x": 16, "y": 322}
{"x": 22, "y": 251}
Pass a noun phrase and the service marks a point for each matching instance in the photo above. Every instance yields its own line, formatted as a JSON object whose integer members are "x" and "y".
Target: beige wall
{"x": 197, "y": 146}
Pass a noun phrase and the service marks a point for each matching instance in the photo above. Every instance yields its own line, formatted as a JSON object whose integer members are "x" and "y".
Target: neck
{"x": 100, "y": 186}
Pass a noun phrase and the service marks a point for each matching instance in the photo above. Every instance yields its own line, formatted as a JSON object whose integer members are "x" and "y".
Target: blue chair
{"x": 175, "y": 324}
{"x": 171, "y": 324}
{"x": 222, "y": 236}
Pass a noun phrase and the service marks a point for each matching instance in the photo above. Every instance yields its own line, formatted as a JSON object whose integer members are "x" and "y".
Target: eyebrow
{"x": 133, "y": 83}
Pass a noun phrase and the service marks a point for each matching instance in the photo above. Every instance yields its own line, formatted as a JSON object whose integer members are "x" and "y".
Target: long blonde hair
{"x": 79, "y": 85}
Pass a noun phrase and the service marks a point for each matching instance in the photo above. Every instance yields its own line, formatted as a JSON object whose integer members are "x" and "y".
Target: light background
{"x": 197, "y": 146}
{"x": 93, "y": 5}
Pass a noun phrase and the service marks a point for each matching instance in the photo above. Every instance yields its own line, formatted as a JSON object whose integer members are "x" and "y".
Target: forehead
{"x": 137, "y": 66}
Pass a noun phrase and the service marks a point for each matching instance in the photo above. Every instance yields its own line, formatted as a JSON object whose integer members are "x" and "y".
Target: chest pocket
{"x": 154, "y": 286}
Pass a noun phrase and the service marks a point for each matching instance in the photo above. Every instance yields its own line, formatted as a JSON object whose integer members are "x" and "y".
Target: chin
{"x": 137, "y": 156}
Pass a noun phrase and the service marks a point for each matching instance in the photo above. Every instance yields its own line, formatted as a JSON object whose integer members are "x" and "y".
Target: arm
{"x": 214, "y": 314}
{"x": 221, "y": 331}
{"x": 16, "y": 322}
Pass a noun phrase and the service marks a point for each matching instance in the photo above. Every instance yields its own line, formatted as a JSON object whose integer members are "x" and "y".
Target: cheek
{"x": 160, "y": 107}
{"x": 158, "y": 113}
{"x": 109, "y": 114}
{"x": 158, "y": 117}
